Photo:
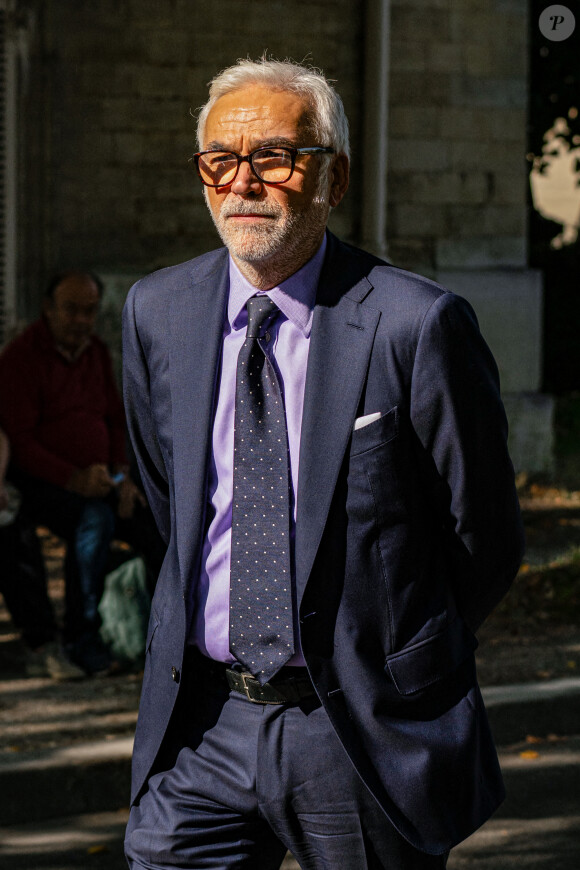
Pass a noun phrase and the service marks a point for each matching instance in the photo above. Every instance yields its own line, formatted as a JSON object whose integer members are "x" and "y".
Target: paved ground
{"x": 538, "y": 827}
{"x": 65, "y": 749}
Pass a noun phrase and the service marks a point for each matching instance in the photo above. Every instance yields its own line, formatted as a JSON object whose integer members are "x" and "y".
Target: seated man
{"x": 23, "y": 586}
{"x": 63, "y": 414}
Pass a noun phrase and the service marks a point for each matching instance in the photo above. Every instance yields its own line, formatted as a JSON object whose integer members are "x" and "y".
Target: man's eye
{"x": 271, "y": 154}
{"x": 214, "y": 161}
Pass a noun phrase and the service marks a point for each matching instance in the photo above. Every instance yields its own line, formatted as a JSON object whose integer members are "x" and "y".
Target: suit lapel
{"x": 342, "y": 338}
{"x": 197, "y": 325}
{"x": 343, "y": 332}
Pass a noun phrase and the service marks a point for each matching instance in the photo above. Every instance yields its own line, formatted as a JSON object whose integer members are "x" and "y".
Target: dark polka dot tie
{"x": 261, "y": 625}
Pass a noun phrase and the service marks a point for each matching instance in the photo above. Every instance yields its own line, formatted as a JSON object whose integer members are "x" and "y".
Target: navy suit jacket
{"x": 408, "y": 529}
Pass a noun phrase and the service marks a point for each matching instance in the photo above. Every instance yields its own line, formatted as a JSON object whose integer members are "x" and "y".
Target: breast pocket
{"x": 374, "y": 490}
{"x": 374, "y": 434}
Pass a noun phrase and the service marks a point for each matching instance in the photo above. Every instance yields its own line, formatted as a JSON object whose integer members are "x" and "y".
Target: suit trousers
{"x": 239, "y": 783}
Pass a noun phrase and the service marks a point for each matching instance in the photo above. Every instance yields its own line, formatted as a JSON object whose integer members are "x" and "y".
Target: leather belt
{"x": 280, "y": 691}
{"x": 289, "y": 686}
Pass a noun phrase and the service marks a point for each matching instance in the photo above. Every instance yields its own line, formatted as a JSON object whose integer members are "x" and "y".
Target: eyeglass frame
{"x": 249, "y": 158}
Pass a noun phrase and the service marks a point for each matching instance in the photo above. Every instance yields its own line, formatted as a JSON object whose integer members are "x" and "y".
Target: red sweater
{"x": 59, "y": 416}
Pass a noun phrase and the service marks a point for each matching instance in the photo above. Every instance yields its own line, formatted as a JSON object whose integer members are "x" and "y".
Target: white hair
{"x": 329, "y": 123}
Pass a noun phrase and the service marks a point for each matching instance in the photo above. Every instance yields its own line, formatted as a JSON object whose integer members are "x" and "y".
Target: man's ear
{"x": 339, "y": 179}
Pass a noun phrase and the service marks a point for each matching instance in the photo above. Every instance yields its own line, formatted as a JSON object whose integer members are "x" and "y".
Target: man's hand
{"x": 129, "y": 496}
{"x": 92, "y": 482}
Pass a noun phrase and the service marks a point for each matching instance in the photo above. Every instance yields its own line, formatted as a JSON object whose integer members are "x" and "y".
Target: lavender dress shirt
{"x": 288, "y": 349}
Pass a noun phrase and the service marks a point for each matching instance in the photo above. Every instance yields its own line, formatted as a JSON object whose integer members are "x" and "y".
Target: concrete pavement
{"x": 540, "y": 708}
{"x": 65, "y": 807}
{"x": 93, "y": 776}
{"x": 537, "y": 828}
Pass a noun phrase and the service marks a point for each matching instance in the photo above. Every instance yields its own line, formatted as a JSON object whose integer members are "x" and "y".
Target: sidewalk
{"x": 92, "y": 775}
{"x": 538, "y": 827}
{"x": 65, "y": 753}
{"x": 65, "y": 807}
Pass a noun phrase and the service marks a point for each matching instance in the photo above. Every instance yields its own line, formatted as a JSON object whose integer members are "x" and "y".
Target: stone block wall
{"x": 115, "y": 84}
{"x": 112, "y": 87}
{"x": 457, "y": 134}
{"x": 122, "y": 79}
{"x": 458, "y": 181}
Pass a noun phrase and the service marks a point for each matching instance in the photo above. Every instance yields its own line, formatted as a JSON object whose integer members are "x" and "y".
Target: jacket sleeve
{"x": 458, "y": 415}
{"x": 141, "y": 426}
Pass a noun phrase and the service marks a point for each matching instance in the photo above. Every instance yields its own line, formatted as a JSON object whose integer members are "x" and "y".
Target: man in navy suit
{"x": 366, "y": 744}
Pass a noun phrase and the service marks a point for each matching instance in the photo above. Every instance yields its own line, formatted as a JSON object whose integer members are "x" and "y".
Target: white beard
{"x": 282, "y": 243}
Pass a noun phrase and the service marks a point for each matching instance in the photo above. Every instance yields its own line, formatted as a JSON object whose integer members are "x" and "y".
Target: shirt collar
{"x": 294, "y": 297}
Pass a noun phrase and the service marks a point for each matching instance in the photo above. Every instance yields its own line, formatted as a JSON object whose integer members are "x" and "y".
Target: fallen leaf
{"x": 530, "y": 738}
{"x": 96, "y": 850}
{"x": 529, "y": 754}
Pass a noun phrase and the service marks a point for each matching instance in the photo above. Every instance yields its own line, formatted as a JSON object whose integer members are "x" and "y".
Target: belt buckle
{"x": 245, "y": 685}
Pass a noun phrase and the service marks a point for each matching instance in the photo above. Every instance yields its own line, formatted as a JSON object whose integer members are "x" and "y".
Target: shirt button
{"x": 267, "y": 336}
{"x": 174, "y": 674}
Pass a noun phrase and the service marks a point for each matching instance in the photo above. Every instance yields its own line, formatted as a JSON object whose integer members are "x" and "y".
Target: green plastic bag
{"x": 124, "y": 611}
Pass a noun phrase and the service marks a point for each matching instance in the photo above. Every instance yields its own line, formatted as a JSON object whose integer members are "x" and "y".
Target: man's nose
{"x": 246, "y": 181}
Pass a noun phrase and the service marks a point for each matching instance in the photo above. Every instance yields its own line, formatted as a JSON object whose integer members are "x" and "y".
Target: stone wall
{"x": 119, "y": 80}
{"x": 457, "y": 128}
{"x": 458, "y": 182}
{"x": 125, "y": 77}
{"x": 114, "y": 83}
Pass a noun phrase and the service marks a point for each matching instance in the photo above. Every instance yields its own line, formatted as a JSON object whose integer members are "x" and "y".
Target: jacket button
{"x": 174, "y": 674}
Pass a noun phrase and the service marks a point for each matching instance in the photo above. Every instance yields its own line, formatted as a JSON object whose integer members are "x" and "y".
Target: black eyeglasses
{"x": 270, "y": 165}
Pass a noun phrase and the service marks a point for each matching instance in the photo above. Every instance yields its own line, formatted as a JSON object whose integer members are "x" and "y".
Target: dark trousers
{"x": 87, "y": 526}
{"x": 240, "y": 783}
{"x": 23, "y": 583}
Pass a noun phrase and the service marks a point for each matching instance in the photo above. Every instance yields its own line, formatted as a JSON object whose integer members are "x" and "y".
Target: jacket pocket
{"x": 382, "y": 430}
{"x": 432, "y": 659}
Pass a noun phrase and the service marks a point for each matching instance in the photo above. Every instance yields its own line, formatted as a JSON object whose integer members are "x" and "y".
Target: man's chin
{"x": 260, "y": 247}
{"x": 251, "y": 256}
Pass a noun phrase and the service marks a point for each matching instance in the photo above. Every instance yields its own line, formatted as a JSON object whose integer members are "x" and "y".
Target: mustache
{"x": 236, "y": 208}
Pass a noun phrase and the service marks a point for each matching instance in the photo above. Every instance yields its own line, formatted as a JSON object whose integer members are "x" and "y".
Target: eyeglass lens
{"x": 272, "y": 165}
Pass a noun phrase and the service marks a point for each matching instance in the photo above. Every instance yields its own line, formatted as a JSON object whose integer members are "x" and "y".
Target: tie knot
{"x": 260, "y": 308}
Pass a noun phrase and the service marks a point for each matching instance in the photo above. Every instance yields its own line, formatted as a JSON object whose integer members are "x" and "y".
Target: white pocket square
{"x": 367, "y": 419}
